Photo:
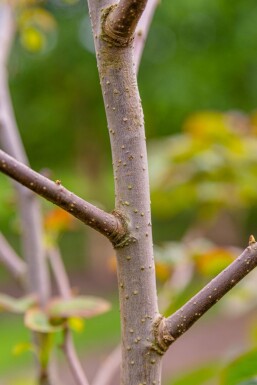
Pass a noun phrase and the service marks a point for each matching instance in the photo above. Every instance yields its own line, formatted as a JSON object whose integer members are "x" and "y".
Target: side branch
{"x": 110, "y": 225}
{"x": 121, "y": 22}
{"x": 171, "y": 328}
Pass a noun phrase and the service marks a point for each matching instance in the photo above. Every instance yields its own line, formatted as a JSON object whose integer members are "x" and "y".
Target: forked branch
{"x": 121, "y": 22}
{"x": 111, "y": 225}
{"x": 171, "y": 328}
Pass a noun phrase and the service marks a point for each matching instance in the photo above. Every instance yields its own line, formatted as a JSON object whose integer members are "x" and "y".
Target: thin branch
{"x": 142, "y": 30}
{"x": 108, "y": 368}
{"x": 59, "y": 272}
{"x": 8, "y": 257}
{"x": 178, "y": 323}
{"x": 62, "y": 282}
{"x": 72, "y": 359}
{"x": 121, "y": 22}
{"x": 108, "y": 224}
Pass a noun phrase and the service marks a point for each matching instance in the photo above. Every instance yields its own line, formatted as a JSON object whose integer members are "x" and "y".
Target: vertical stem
{"x": 141, "y": 364}
{"x": 64, "y": 289}
{"x": 31, "y": 226}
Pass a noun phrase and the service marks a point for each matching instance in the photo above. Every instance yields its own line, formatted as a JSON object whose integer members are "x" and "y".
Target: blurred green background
{"x": 198, "y": 83}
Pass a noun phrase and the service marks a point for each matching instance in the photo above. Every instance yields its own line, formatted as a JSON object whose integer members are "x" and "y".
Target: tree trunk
{"x": 141, "y": 364}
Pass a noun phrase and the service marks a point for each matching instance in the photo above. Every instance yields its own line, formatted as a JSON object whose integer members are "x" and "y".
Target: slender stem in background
{"x": 59, "y": 272}
{"x": 171, "y": 328}
{"x": 108, "y": 224}
{"x": 142, "y": 30}
{"x": 109, "y": 367}
{"x": 8, "y": 257}
{"x": 31, "y": 226}
{"x": 63, "y": 285}
{"x": 72, "y": 358}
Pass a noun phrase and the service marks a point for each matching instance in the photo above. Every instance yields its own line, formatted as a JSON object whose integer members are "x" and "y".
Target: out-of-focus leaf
{"x": 58, "y": 220}
{"x": 211, "y": 165}
{"x": 37, "y": 16}
{"x": 33, "y": 39}
{"x": 76, "y": 324}
{"x": 16, "y": 305}
{"x": 37, "y": 28}
{"x": 22, "y": 347}
{"x": 83, "y": 306}
{"x": 205, "y": 124}
{"x": 213, "y": 261}
{"x": 241, "y": 369}
{"x": 249, "y": 382}
{"x": 163, "y": 270}
{"x": 38, "y": 321}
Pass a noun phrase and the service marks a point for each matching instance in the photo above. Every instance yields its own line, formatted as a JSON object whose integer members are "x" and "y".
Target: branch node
{"x": 163, "y": 339}
{"x": 109, "y": 34}
{"x": 120, "y": 237}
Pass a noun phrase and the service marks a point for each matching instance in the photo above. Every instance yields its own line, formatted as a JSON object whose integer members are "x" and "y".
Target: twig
{"x": 8, "y": 257}
{"x": 121, "y": 22}
{"x": 142, "y": 30}
{"x": 62, "y": 282}
{"x": 178, "y": 323}
{"x": 108, "y": 224}
{"x": 108, "y": 368}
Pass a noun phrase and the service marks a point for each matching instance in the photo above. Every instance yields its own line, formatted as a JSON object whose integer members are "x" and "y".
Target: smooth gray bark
{"x": 141, "y": 364}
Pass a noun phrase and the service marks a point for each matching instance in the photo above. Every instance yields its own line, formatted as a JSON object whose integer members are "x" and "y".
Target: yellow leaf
{"x": 76, "y": 324}
{"x": 213, "y": 261}
{"x": 163, "y": 270}
{"x": 58, "y": 220}
{"x": 32, "y": 39}
{"x": 206, "y": 123}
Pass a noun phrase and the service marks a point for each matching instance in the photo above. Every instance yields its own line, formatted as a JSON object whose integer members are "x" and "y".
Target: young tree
{"x": 119, "y": 31}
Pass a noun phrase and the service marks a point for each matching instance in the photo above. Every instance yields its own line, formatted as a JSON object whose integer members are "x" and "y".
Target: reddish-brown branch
{"x": 108, "y": 224}
{"x": 178, "y": 323}
{"x": 122, "y": 20}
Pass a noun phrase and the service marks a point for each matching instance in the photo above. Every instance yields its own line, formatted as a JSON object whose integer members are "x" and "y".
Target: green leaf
{"x": 22, "y": 347}
{"x": 242, "y": 368}
{"x": 16, "y": 305}
{"x": 38, "y": 321}
{"x": 83, "y": 306}
{"x": 249, "y": 382}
